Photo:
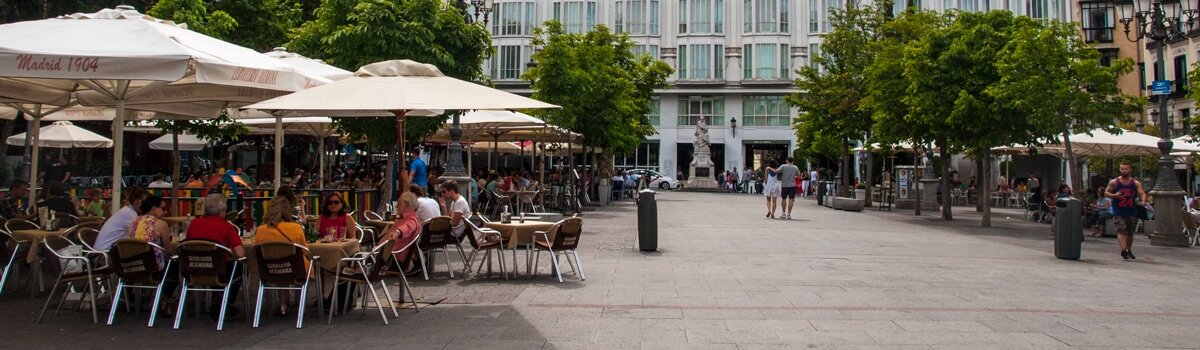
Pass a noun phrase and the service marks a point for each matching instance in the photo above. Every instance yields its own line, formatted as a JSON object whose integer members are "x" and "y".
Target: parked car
{"x": 657, "y": 180}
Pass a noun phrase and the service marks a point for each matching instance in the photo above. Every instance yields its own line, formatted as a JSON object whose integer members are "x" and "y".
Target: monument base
{"x": 701, "y": 178}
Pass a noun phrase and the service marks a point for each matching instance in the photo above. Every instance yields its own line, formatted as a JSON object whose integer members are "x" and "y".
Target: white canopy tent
{"x": 64, "y": 134}
{"x": 122, "y": 58}
{"x": 187, "y": 142}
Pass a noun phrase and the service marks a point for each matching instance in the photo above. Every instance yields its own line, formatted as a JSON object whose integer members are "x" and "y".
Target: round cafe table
{"x": 518, "y": 233}
{"x": 330, "y": 252}
{"x": 35, "y": 238}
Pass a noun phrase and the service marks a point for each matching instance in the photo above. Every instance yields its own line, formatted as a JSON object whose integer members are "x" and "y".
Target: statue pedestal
{"x": 700, "y": 176}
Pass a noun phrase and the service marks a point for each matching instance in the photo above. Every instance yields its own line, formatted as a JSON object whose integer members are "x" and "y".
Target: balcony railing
{"x": 1098, "y": 35}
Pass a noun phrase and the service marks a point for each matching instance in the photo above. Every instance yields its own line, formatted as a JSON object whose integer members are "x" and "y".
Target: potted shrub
{"x": 860, "y": 191}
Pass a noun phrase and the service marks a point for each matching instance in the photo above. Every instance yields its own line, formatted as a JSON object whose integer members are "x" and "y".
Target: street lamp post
{"x": 474, "y": 12}
{"x": 1159, "y": 21}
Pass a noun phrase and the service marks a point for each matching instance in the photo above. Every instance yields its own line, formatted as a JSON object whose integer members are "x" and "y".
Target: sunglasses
{"x": 335, "y": 202}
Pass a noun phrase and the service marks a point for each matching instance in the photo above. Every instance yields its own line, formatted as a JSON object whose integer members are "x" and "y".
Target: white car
{"x": 657, "y": 180}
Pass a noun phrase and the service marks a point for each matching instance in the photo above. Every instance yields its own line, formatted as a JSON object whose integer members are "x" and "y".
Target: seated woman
{"x": 1103, "y": 211}
{"x": 334, "y": 221}
{"x": 278, "y": 227}
{"x": 151, "y": 228}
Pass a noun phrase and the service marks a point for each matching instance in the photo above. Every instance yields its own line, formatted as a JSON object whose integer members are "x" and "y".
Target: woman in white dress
{"x": 773, "y": 188}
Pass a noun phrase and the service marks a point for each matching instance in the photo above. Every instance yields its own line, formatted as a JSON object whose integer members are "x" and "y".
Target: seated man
{"x": 117, "y": 226}
{"x": 213, "y": 227}
{"x": 10, "y": 204}
{"x": 405, "y": 229}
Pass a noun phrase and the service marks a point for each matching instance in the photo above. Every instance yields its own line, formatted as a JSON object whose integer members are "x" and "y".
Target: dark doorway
{"x": 684, "y": 156}
{"x": 759, "y": 155}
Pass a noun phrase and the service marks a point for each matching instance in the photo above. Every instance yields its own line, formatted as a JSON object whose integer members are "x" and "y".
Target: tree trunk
{"x": 944, "y": 151}
{"x": 1073, "y": 174}
{"x": 869, "y": 177}
{"x": 844, "y": 171}
{"x": 984, "y": 181}
{"x": 982, "y": 171}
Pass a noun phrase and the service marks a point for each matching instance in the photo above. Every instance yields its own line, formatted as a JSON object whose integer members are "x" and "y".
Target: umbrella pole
{"x": 495, "y": 148}
{"x": 278, "y": 150}
{"x": 35, "y": 157}
{"x": 175, "y": 175}
{"x": 118, "y": 147}
{"x": 321, "y": 164}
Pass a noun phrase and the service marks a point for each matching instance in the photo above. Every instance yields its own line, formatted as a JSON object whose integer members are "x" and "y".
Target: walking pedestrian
{"x": 771, "y": 191}
{"x": 812, "y": 181}
{"x": 804, "y": 186}
{"x": 1124, "y": 190}
{"x": 787, "y": 178}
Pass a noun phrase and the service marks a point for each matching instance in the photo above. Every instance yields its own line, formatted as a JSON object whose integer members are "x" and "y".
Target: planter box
{"x": 847, "y": 204}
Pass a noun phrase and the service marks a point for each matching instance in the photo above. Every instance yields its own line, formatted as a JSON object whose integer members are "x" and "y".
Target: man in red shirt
{"x": 405, "y": 229}
{"x": 213, "y": 227}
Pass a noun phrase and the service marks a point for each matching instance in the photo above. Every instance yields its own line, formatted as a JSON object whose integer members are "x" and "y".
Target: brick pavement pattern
{"x": 727, "y": 278}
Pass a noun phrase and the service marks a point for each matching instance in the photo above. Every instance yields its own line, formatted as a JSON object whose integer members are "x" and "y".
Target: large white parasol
{"x": 122, "y": 58}
{"x": 64, "y": 134}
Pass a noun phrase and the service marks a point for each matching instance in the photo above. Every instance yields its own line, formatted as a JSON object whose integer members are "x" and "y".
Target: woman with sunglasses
{"x": 334, "y": 220}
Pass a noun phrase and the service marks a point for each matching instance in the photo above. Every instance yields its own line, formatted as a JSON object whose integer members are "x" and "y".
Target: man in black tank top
{"x": 1124, "y": 190}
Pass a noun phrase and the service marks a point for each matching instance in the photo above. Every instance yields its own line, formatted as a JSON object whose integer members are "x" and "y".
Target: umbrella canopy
{"x": 383, "y": 88}
{"x": 187, "y": 142}
{"x": 63, "y": 134}
{"x": 1101, "y": 143}
{"x": 119, "y": 57}
{"x": 315, "y": 67}
{"x": 485, "y": 124}
{"x": 308, "y": 126}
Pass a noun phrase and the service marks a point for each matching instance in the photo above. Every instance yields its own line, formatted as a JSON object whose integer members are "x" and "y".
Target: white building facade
{"x": 734, "y": 61}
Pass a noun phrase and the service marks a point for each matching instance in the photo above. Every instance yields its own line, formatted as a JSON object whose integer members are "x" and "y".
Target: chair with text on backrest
{"x": 205, "y": 266}
{"x": 134, "y": 263}
{"x": 486, "y": 240}
{"x": 561, "y": 238}
{"x": 73, "y": 265}
{"x": 365, "y": 268}
{"x": 284, "y": 266}
{"x": 404, "y": 279}
{"x": 435, "y": 235}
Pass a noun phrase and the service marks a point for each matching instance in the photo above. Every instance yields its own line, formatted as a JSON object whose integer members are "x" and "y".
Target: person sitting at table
{"x": 10, "y": 204}
{"x": 58, "y": 200}
{"x": 278, "y": 227}
{"x": 285, "y": 191}
{"x": 213, "y": 227}
{"x": 95, "y": 205}
{"x": 1102, "y": 210}
{"x": 150, "y": 227}
{"x": 507, "y": 184}
{"x": 117, "y": 226}
{"x": 456, "y": 207}
{"x": 405, "y": 229}
{"x": 334, "y": 217}
{"x": 427, "y": 208}
{"x": 159, "y": 182}
{"x": 193, "y": 181}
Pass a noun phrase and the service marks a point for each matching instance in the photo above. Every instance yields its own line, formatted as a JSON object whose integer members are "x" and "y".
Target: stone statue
{"x": 701, "y": 168}
{"x": 701, "y": 141}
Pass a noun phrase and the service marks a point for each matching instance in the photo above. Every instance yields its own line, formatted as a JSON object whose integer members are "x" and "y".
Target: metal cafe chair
{"x": 205, "y": 266}
{"x": 284, "y": 266}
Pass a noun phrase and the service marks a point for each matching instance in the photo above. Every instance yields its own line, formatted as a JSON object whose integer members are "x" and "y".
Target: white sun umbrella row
{"x": 1101, "y": 143}
{"x": 123, "y": 59}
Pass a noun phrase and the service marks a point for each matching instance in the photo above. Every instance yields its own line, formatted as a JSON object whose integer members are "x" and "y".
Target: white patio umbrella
{"x": 121, "y": 58}
{"x": 396, "y": 88}
{"x": 187, "y": 142}
{"x": 64, "y": 135}
{"x": 319, "y": 127}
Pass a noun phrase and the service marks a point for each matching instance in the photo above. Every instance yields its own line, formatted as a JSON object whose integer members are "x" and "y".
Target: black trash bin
{"x": 1068, "y": 228}
{"x": 647, "y": 221}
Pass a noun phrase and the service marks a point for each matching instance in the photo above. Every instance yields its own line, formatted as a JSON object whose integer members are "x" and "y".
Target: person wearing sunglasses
{"x": 334, "y": 220}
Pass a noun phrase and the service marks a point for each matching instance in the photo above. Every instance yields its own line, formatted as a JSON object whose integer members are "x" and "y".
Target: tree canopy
{"x": 604, "y": 89}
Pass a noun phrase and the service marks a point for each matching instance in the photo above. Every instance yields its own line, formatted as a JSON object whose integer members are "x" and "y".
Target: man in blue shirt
{"x": 419, "y": 171}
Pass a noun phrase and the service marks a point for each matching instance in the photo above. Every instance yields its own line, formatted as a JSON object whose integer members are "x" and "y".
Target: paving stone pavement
{"x": 727, "y": 278}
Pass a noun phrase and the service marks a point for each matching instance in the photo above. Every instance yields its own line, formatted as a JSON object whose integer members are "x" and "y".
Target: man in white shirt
{"x": 456, "y": 207}
{"x": 117, "y": 227}
{"x": 427, "y": 208}
{"x": 159, "y": 182}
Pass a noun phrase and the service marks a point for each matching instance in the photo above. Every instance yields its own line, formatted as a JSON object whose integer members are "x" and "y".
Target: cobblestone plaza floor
{"x": 725, "y": 277}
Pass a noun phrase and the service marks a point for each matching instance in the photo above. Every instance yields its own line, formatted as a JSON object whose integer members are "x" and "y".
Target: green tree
{"x": 261, "y": 24}
{"x": 832, "y": 91}
{"x": 197, "y": 16}
{"x": 353, "y": 33}
{"x": 604, "y": 89}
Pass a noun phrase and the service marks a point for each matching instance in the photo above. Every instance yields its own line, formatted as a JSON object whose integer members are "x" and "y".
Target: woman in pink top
{"x": 334, "y": 220}
{"x": 151, "y": 228}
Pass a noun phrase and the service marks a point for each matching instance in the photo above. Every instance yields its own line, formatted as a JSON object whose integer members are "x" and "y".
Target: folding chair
{"x": 134, "y": 263}
{"x": 500, "y": 201}
{"x": 282, "y": 266}
{"x": 485, "y": 240}
{"x": 10, "y": 249}
{"x": 58, "y": 251}
{"x": 435, "y": 235}
{"x": 21, "y": 250}
{"x": 370, "y": 215}
{"x": 566, "y": 239}
{"x": 368, "y": 265}
{"x": 205, "y": 266}
{"x": 404, "y": 279}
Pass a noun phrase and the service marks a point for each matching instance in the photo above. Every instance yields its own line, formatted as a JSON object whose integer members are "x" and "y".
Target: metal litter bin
{"x": 647, "y": 208}
{"x": 1068, "y": 228}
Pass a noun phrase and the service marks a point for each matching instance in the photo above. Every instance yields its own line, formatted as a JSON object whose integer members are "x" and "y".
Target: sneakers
{"x": 1128, "y": 255}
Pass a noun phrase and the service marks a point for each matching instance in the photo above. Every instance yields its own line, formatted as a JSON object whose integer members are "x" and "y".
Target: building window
{"x": 1037, "y": 9}
{"x": 651, "y": 50}
{"x": 701, "y": 62}
{"x": 830, "y": 5}
{"x": 655, "y": 114}
{"x": 691, "y": 108}
{"x": 1180, "y": 74}
{"x": 576, "y": 16}
{"x": 637, "y": 17}
{"x": 701, "y": 16}
{"x": 644, "y": 157}
{"x": 765, "y": 111}
{"x": 1107, "y": 56}
{"x": 814, "y": 11}
{"x": 513, "y": 18}
{"x": 1142, "y": 74}
{"x": 1098, "y": 21}
{"x": 765, "y": 16}
{"x": 766, "y": 61}
{"x": 509, "y": 62}
{"x": 814, "y": 50}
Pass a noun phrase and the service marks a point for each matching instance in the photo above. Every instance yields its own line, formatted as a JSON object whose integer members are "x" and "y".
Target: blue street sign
{"x": 1161, "y": 87}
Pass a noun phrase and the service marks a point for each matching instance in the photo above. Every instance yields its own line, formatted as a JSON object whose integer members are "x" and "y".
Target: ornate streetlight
{"x": 1160, "y": 22}
{"x": 475, "y": 12}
